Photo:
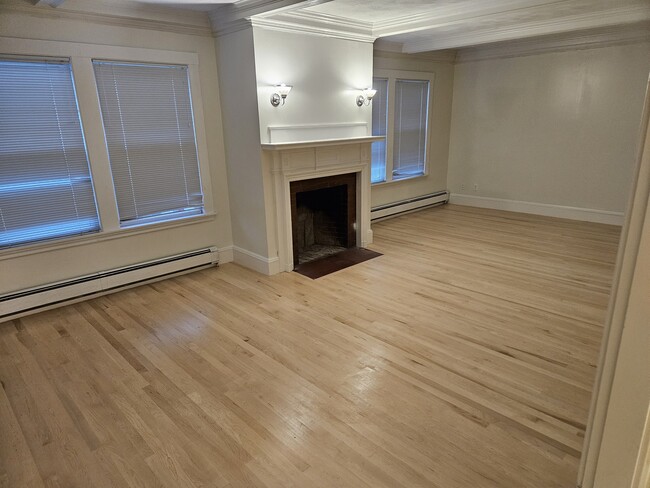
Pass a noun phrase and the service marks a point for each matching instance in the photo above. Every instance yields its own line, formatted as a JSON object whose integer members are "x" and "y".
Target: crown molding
{"x": 232, "y": 27}
{"x": 447, "y": 56}
{"x": 579, "y": 40}
{"x": 451, "y": 14}
{"x": 233, "y": 17}
{"x": 190, "y": 27}
{"x": 315, "y": 23}
{"x": 602, "y": 19}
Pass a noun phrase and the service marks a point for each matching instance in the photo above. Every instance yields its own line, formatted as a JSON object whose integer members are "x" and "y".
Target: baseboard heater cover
{"x": 33, "y": 299}
{"x": 408, "y": 205}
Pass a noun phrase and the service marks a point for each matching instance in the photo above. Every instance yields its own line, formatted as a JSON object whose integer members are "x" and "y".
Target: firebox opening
{"x": 323, "y": 216}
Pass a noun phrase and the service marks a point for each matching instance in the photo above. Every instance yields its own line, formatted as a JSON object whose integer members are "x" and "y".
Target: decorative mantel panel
{"x": 289, "y": 162}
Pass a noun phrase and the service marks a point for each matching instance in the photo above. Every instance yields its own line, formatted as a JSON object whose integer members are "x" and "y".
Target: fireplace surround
{"x": 287, "y": 163}
{"x": 323, "y": 216}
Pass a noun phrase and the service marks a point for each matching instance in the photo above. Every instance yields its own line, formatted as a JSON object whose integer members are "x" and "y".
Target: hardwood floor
{"x": 461, "y": 358}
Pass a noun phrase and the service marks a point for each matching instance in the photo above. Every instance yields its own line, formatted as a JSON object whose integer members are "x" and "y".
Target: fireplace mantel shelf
{"x": 282, "y": 146}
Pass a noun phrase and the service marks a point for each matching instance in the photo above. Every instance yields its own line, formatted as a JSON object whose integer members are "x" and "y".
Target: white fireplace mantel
{"x": 283, "y": 146}
{"x": 294, "y": 161}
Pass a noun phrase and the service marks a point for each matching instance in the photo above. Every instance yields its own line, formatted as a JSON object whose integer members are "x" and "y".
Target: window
{"x": 379, "y": 128}
{"x": 411, "y": 104}
{"x": 45, "y": 185}
{"x": 400, "y": 111}
{"x": 149, "y": 128}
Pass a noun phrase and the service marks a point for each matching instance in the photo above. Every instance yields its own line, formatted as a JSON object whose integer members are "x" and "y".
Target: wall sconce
{"x": 366, "y": 97}
{"x": 280, "y": 94}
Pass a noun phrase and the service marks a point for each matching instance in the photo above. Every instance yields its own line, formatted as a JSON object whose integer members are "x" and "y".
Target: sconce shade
{"x": 369, "y": 93}
{"x": 283, "y": 90}
{"x": 366, "y": 97}
{"x": 280, "y": 94}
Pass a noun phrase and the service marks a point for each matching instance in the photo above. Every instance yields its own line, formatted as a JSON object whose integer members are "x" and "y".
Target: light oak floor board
{"x": 464, "y": 357}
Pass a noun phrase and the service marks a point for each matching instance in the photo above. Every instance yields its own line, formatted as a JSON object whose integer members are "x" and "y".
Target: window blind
{"x": 411, "y": 112}
{"x": 45, "y": 185}
{"x": 379, "y": 127}
{"x": 149, "y": 128}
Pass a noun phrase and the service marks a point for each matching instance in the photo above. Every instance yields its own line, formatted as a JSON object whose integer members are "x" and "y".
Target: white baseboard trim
{"x": 251, "y": 260}
{"x": 226, "y": 255}
{"x": 549, "y": 210}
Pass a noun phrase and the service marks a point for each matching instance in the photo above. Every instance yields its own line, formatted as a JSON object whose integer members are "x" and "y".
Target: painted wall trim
{"x": 393, "y": 50}
{"x": 191, "y": 25}
{"x": 317, "y": 25}
{"x": 65, "y": 242}
{"x": 549, "y": 210}
{"x": 226, "y": 254}
{"x": 232, "y": 16}
{"x": 251, "y": 260}
{"x": 308, "y": 133}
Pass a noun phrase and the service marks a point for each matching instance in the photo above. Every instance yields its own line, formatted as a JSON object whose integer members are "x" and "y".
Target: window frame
{"x": 81, "y": 56}
{"x": 392, "y": 76}
{"x": 152, "y": 219}
{"x": 45, "y": 239}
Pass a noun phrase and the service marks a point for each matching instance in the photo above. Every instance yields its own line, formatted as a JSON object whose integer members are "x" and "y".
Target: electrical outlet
{"x": 462, "y": 186}
{"x": 475, "y": 186}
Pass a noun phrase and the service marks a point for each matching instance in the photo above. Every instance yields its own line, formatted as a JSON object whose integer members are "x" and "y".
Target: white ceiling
{"x": 409, "y": 26}
{"x": 421, "y": 25}
{"x": 377, "y": 11}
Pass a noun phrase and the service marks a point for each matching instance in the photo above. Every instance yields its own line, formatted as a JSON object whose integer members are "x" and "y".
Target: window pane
{"x": 45, "y": 185}
{"x": 149, "y": 127}
{"x": 379, "y": 123}
{"x": 411, "y": 114}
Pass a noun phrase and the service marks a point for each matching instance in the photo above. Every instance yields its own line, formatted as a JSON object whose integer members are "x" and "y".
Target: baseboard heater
{"x": 408, "y": 205}
{"x": 33, "y": 299}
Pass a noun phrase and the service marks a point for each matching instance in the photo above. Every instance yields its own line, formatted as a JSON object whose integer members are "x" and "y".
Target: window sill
{"x": 400, "y": 180}
{"x": 66, "y": 242}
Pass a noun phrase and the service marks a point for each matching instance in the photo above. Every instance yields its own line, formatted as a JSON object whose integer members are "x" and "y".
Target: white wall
{"x": 326, "y": 74}
{"x": 559, "y": 128}
{"x": 53, "y": 262}
{"x": 241, "y": 132}
{"x": 436, "y": 177}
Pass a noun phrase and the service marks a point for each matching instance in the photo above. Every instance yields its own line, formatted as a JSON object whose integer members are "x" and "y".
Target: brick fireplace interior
{"x": 323, "y": 216}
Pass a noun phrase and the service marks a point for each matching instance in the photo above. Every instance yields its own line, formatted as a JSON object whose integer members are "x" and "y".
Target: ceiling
{"x": 421, "y": 25}
{"x": 410, "y": 26}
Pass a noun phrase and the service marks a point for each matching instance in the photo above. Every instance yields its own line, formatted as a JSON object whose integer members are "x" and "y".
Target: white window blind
{"x": 45, "y": 185}
{"x": 379, "y": 128}
{"x": 411, "y": 112}
{"x": 147, "y": 115}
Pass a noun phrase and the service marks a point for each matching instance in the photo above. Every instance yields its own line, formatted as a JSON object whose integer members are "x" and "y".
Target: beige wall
{"x": 51, "y": 263}
{"x": 436, "y": 178}
{"x": 557, "y": 128}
